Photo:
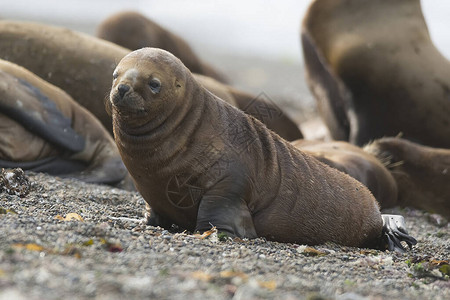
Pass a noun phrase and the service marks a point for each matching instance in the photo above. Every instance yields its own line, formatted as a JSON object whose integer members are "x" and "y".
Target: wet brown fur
{"x": 249, "y": 181}
{"x": 422, "y": 173}
{"x": 263, "y": 110}
{"x": 357, "y": 163}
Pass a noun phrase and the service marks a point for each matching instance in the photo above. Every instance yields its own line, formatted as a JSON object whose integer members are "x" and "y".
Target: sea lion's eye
{"x": 115, "y": 74}
{"x": 155, "y": 85}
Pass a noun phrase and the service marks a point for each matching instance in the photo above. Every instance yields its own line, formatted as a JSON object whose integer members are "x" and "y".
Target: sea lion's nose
{"x": 123, "y": 89}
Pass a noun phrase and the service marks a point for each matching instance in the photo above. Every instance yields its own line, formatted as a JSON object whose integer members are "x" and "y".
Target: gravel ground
{"x": 110, "y": 255}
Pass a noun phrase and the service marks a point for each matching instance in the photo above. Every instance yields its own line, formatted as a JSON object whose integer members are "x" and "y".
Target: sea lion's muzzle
{"x": 123, "y": 89}
{"x": 125, "y": 99}
{"x": 120, "y": 94}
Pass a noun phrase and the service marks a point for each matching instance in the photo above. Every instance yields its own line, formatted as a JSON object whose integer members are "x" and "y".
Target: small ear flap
{"x": 177, "y": 83}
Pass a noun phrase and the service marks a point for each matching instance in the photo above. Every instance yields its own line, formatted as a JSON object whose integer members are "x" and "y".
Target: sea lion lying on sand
{"x": 396, "y": 171}
{"x": 422, "y": 173}
{"x": 199, "y": 162}
{"x": 44, "y": 130}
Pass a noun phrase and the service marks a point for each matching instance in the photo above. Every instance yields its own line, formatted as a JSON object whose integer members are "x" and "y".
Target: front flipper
{"x": 227, "y": 214}
{"x": 154, "y": 219}
{"x": 28, "y": 106}
{"x": 394, "y": 232}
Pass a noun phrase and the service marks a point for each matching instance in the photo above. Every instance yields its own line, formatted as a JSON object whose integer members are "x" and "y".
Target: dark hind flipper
{"x": 154, "y": 219}
{"x": 394, "y": 233}
{"x": 38, "y": 114}
{"x": 229, "y": 215}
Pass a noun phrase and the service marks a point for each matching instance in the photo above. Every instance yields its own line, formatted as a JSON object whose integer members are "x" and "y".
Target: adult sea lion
{"x": 375, "y": 72}
{"x": 133, "y": 30}
{"x": 422, "y": 173}
{"x": 73, "y": 61}
{"x": 259, "y": 107}
{"x": 198, "y": 162}
{"x": 44, "y": 130}
{"x": 359, "y": 164}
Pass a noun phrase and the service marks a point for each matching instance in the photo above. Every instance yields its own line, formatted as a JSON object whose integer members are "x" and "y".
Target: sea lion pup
{"x": 198, "y": 162}
{"x": 44, "y": 130}
{"x": 74, "y": 62}
{"x": 359, "y": 164}
{"x": 375, "y": 72}
{"x": 133, "y": 30}
{"x": 422, "y": 173}
{"x": 263, "y": 110}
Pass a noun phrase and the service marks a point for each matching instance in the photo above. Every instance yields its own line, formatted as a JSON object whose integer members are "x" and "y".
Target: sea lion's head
{"x": 148, "y": 86}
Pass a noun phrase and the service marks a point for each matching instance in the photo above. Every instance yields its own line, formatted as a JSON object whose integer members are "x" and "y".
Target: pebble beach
{"x": 68, "y": 239}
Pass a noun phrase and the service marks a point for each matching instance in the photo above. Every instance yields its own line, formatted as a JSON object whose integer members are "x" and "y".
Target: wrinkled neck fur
{"x": 160, "y": 139}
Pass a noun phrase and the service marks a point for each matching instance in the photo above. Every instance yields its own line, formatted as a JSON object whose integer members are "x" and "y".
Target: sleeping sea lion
{"x": 133, "y": 30}
{"x": 44, "y": 130}
{"x": 200, "y": 162}
{"x": 375, "y": 72}
{"x": 359, "y": 164}
{"x": 422, "y": 173}
{"x": 262, "y": 109}
{"x": 73, "y": 61}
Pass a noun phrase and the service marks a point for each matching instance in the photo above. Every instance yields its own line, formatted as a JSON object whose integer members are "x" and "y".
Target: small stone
{"x": 14, "y": 182}
{"x": 166, "y": 237}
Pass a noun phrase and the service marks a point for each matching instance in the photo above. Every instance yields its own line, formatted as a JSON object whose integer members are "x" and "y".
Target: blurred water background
{"x": 254, "y": 42}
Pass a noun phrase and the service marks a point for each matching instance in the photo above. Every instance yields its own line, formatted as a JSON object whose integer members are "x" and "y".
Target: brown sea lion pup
{"x": 200, "y": 162}
{"x": 75, "y": 62}
{"x": 133, "y": 30}
{"x": 43, "y": 129}
{"x": 359, "y": 164}
{"x": 262, "y": 109}
{"x": 375, "y": 71}
{"x": 422, "y": 173}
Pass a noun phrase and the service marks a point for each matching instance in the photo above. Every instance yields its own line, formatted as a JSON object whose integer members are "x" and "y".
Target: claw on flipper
{"x": 394, "y": 232}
